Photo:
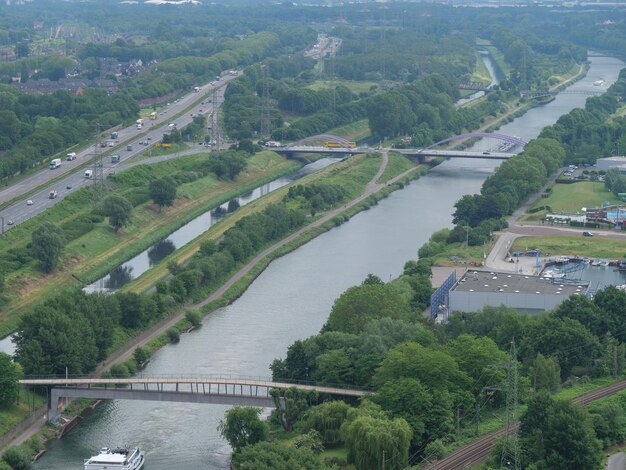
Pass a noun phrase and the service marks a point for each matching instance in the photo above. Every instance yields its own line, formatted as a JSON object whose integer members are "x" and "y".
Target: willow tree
{"x": 375, "y": 442}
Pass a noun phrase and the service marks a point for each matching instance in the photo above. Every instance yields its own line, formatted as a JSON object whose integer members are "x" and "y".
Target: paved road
{"x": 75, "y": 178}
{"x": 617, "y": 462}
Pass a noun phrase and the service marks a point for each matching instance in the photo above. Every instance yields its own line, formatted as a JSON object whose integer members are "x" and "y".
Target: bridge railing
{"x": 181, "y": 377}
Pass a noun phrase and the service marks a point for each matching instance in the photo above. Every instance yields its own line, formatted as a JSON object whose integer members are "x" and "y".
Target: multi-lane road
{"x": 70, "y": 176}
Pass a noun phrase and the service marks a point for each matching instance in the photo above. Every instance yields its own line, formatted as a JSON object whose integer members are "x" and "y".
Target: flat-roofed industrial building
{"x": 532, "y": 294}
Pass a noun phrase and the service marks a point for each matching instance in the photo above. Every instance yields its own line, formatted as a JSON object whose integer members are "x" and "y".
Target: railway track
{"x": 477, "y": 451}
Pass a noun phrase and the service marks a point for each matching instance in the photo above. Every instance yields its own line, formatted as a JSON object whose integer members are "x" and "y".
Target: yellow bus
{"x": 349, "y": 145}
{"x": 153, "y": 115}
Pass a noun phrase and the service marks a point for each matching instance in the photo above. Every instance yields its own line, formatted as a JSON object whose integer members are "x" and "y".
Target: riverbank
{"x": 456, "y": 184}
{"x": 100, "y": 250}
{"x": 237, "y": 283}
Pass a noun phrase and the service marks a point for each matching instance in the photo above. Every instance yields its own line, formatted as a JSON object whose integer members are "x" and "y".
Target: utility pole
{"x": 98, "y": 188}
{"x": 265, "y": 106}
{"x": 510, "y": 446}
{"x": 214, "y": 131}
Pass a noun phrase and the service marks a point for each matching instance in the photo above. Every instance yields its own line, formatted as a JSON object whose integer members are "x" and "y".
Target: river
{"x": 291, "y": 300}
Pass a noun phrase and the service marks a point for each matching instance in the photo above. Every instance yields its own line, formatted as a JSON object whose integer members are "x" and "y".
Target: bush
{"x": 120, "y": 370}
{"x": 18, "y": 458}
{"x": 193, "y": 316}
{"x": 141, "y": 355}
{"x": 312, "y": 440}
{"x": 435, "y": 450}
{"x": 173, "y": 334}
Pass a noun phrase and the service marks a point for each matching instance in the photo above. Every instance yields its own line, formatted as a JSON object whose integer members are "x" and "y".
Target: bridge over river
{"x": 508, "y": 146}
{"x": 191, "y": 389}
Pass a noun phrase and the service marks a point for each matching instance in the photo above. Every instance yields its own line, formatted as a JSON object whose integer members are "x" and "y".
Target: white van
{"x": 88, "y": 174}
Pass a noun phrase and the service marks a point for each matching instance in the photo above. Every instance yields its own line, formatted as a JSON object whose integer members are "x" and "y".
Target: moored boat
{"x": 116, "y": 459}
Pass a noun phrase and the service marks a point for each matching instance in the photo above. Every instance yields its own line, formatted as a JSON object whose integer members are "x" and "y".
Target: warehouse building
{"x": 530, "y": 294}
{"x": 619, "y": 163}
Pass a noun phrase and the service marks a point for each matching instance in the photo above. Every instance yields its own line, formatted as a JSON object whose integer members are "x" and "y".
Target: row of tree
{"x": 34, "y": 127}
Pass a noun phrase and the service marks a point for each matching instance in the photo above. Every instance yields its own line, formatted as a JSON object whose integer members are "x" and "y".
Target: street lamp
{"x": 467, "y": 229}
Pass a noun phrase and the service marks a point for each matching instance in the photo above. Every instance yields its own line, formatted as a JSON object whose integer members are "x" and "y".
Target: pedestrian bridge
{"x": 191, "y": 389}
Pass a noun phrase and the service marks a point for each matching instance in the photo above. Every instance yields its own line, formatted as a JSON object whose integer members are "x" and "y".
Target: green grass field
{"x": 353, "y": 86}
{"x": 575, "y": 245}
{"x": 354, "y": 131}
{"x": 101, "y": 249}
{"x": 571, "y": 198}
{"x": 397, "y": 164}
{"x": 14, "y": 414}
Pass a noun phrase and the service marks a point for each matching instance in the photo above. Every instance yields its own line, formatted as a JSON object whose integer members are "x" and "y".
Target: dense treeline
{"x": 588, "y": 133}
{"x": 400, "y": 54}
{"x": 424, "y": 374}
{"x": 34, "y": 127}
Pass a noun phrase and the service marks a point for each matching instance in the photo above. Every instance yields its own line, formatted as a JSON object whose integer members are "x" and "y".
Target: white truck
{"x": 71, "y": 156}
{"x": 56, "y": 163}
{"x": 53, "y": 194}
{"x": 88, "y": 174}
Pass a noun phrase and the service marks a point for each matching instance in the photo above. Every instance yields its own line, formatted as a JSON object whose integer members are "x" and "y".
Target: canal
{"x": 291, "y": 300}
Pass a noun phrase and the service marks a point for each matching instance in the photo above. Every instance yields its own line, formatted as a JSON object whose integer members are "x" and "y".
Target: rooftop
{"x": 507, "y": 283}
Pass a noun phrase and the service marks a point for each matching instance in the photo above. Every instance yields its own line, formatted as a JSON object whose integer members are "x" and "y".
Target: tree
{"x": 10, "y": 374}
{"x": 48, "y": 242}
{"x": 290, "y": 404}
{"x": 243, "y": 427}
{"x": 327, "y": 419}
{"x": 276, "y": 456}
{"x": 556, "y": 434}
{"x": 163, "y": 191}
{"x": 429, "y": 416}
{"x": 118, "y": 209}
{"x": 478, "y": 358}
{"x": 372, "y": 440}
{"x": 545, "y": 373}
{"x": 359, "y": 304}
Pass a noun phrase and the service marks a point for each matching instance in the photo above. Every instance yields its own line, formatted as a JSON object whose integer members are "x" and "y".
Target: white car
{"x": 29, "y": 202}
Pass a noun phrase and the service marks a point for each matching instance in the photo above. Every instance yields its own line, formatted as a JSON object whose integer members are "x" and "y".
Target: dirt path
{"x": 144, "y": 337}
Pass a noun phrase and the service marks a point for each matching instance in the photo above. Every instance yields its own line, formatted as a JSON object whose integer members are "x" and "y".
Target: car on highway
{"x": 69, "y": 186}
{"x": 587, "y": 234}
{"x": 9, "y": 222}
{"x": 29, "y": 202}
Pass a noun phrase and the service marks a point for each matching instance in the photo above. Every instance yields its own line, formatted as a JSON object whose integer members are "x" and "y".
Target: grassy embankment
{"x": 353, "y": 174}
{"x": 100, "y": 249}
{"x": 11, "y": 416}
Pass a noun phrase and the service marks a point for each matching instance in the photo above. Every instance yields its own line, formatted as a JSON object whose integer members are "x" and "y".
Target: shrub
{"x": 312, "y": 440}
{"x": 120, "y": 370}
{"x": 141, "y": 355}
{"x": 18, "y": 458}
{"x": 193, "y": 316}
{"x": 174, "y": 335}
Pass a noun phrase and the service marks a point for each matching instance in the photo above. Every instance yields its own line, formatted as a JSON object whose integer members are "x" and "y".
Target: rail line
{"x": 478, "y": 450}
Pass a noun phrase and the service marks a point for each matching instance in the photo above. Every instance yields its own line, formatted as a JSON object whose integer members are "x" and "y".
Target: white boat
{"x": 598, "y": 83}
{"x": 116, "y": 459}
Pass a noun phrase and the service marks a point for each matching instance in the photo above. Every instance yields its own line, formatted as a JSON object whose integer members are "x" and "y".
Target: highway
{"x": 73, "y": 172}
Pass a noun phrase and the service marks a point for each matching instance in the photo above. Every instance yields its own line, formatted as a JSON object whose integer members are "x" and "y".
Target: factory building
{"x": 528, "y": 294}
